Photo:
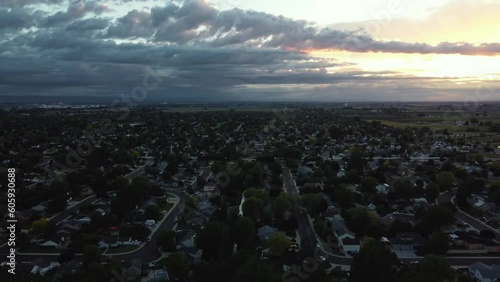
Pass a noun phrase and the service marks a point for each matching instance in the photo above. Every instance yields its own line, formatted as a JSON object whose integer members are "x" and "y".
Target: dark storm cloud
{"x": 14, "y": 18}
{"x": 18, "y": 18}
{"x": 196, "y": 22}
{"x": 90, "y": 24}
{"x": 134, "y": 24}
{"x": 75, "y": 11}
{"x": 81, "y": 51}
{"x": 22, "y": 3}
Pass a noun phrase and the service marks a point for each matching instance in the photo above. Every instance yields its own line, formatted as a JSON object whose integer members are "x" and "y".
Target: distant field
{"x": 437, "y": 121}
{"x": 220, "y": 109}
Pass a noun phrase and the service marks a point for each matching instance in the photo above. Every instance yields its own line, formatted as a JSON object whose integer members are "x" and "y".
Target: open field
{"x": 191, "y": 109}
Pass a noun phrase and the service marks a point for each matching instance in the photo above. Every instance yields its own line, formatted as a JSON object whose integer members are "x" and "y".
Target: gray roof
{"x": 338, "y": 224}
{"x": 265, "y": 230}
{"x": 486, "y": 271}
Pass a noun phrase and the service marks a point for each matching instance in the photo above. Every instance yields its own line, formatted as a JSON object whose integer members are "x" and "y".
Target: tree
{"x": 436, "y": 217}
{"x": 403, "y": 189}
{"x": 487, "y": 234}
{"x": 374, "y": 262}
{"x": 119, "y": 183}
{"x": 358, "y": 219}
{"x": 463, "y": 192}
{"x": 166, "y": 241}
{"x": 152, "y": 212}
{"x": 438, "y": 243}
{"x": 65, "y": 256}
{"x": 445, "y": 179}
{"x": 399, "y": 226}
{"x": 278, "y": 243}
{"x": 322, "y": 229}
{"x": 254, "y": 270}
{"x": 91, "y": 254}
{"x": 344, "y": 197}
{"x": 431, "y": 192}
{"x": 177, "y": 265}
{"x": 312, "y": 202}
{"x": 368, "y": 184}
{"x": 252, "y": 207}
{"x": 356, "y": 160}
{"x": 282, "y": 204}
{"x": 434, "y": 268}
{"x": 215, "y": 240}
{"x": 255, "y": 193}
{"x": 57, "y": 204}
{"x": 39, "y": 226}
{"x": 244, "y": 232}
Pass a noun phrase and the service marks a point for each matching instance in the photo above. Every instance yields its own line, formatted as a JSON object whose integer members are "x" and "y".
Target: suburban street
{"x": 306, "y": 230}
{"x": 460, "y": 215}
{"x": 66, "y": 213}
{"x": 148, "y": 252}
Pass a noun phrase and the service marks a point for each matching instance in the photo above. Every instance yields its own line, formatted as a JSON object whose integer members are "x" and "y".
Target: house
{"x": 66, "y": 269}
{"x": 305, "y": 170}
{"x": 314, "y": 185}
{"x": 389, "y": 219}
{"x": 473, "y": 242}
{"x": 157, "y": 275}
{"x": 329, "y": 214}
{"x": 193, "y": 254}
{"x": 133, "y": 269}
{"x": 42, "y": 266}
{"x": 50, "y": 241}
{"x": 39, "y": 209}
{"x": 341, "y": 231}
{"x": 485, "y": 273}
{"x": 185, "y": 238}
{"x": 49, "y": 244}
{"x": 382, "y": 188}
{"x": 264, "y": 232}
{"x": 67, "y": 230}
{"x": 349, "y": 244}
{"x": 209, "y": 187}
{"x": 108, "y": 242}
{"x": 135, "y": 217}
{"x": 124, "y": 241}
{"x": 84, "y": 220}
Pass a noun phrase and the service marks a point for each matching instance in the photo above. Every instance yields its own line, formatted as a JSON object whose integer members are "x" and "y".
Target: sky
{"x": 259, "y": 50}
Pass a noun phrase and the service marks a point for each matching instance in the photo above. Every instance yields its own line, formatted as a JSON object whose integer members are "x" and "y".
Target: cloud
{"x": 219, "y": 54}
{"x": 196, "y": 22}
{"x": 134, "y": 24}
{"x": 75, "y": 11}
{"x": 91, "y": 24}
{"x": 22, "y": 3}
{"x": 15, "y": 18}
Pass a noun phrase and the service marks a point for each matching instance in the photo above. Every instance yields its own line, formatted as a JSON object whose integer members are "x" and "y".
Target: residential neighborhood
{"x": 216, "y": 194}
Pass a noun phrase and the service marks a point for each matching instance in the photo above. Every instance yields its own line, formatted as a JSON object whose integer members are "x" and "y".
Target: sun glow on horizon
{"x": 428, "y": 65}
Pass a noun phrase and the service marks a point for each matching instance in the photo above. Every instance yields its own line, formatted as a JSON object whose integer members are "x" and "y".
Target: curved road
{"x": 148, "y": 252}
{"x": 306, "y": 230}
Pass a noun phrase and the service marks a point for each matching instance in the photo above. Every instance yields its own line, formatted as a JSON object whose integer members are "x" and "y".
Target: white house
{"x": 349, "y": 244}
{"x": 485, "y": 273}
